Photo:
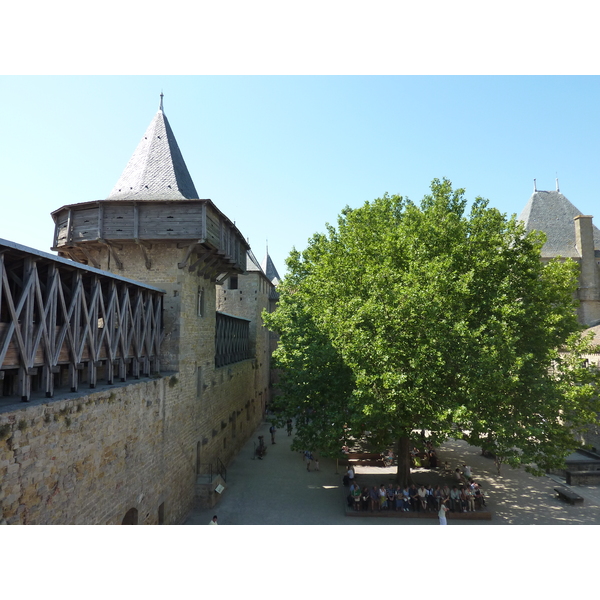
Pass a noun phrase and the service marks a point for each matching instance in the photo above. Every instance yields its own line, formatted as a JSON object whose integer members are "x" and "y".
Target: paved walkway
{"x": 278, "y": 490}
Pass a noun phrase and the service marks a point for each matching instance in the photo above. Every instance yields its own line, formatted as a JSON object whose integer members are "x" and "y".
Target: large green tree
{"x": 408, "y": 317}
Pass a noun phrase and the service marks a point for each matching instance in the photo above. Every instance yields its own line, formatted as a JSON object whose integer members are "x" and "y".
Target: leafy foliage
{"x": 409, "y": 317}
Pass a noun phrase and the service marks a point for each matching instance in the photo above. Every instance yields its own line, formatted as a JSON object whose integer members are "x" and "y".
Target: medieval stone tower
{"x": 142, "y": 436}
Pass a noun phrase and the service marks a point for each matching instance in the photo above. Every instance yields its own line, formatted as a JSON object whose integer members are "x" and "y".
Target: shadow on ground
{"x": 279, "y": 491}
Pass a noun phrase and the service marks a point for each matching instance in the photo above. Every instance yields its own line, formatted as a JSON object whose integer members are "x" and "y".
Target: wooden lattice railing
{"x": 232, "y": 339}
{"x": 63, "y": 324}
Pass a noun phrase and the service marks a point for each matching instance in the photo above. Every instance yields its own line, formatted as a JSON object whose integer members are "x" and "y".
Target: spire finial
{"x": 534, "y": 186}
{"x": 161, "y": 101}
{"x": 557, "y": 188}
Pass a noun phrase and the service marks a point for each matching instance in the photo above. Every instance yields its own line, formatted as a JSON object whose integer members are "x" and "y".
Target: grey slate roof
{"x": 156, "y": 170}
{"x": 252, "y": 263}
{"x": 553, "y": 214}
{"x": 270, "y": 271}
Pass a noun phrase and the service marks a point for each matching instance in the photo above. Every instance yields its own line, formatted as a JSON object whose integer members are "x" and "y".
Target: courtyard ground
{"x": 278, "y": 490}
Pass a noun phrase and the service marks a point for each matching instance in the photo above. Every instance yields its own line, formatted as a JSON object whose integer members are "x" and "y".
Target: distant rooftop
{"x": 553, "y": 214}
{"x": 156, "y": 170}
{"x": 269, "y": 269}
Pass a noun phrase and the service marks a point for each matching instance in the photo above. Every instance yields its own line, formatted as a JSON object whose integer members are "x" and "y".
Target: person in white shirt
{"x": 442, "y": 513}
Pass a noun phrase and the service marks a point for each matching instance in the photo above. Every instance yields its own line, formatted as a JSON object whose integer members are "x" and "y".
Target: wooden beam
{"x": 147, "y": 260}
{"x": 100, "y": 221}
{"x": 69, "y": 226}
{"x": 136, "y": 221}
{"x": 90, "y": 258}
{"x": 190, "y": 248}
{"x": 111, "y": 249}
{"x": 205, "y": 257}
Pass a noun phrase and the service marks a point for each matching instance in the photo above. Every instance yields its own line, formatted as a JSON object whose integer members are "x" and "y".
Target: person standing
{"x": 442, "y": 513}
{"x": 467, "y": 473}
{"x": 272, "y": 431}
{"x": 350, "y": 474}
{"x": 289, "y": 427}
{"x": 309, "y": 458}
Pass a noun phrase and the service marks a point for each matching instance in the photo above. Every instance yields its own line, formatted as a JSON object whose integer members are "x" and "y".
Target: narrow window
{"x": 233, "y": 282}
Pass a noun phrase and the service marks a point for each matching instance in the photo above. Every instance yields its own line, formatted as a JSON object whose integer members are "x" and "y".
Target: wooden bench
{"x": 568, "y": 495}
{"x": 368, "y": 459}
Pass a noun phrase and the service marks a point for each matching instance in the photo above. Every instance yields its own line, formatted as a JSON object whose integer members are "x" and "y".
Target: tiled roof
{"x": 553, "y": 214}
{"x": 156, "y": 171}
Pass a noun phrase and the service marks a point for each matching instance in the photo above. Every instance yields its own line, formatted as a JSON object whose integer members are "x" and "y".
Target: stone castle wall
{"x": 248, "y": 301}
{"x": 89, "y": 458}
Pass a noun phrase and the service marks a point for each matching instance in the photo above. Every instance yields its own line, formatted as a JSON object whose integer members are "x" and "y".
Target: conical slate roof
{"x": 269, "y": 269}
{"x": 553, "y": 214}
{"x": 156, "y": 170}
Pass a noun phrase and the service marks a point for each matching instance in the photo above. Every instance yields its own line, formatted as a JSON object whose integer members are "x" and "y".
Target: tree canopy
{"x": 407, "y": 317}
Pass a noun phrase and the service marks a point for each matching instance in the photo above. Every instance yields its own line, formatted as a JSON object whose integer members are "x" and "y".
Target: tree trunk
{"x": 403, "y": 476}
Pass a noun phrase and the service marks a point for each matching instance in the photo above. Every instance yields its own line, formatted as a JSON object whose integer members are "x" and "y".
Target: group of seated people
{"x": 424, "y": 498}
{"x": 426, "y": 458}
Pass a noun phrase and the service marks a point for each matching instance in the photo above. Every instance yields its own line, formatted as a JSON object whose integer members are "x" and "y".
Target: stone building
{"x": 135, "y": 403}
{"x": 570, "y": 234}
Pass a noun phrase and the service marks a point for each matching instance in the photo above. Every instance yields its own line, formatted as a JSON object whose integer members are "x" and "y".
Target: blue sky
{"x": 283, "y": 155}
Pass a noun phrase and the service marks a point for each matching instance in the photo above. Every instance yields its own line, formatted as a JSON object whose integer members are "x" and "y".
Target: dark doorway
{"x": 131, "y": 518}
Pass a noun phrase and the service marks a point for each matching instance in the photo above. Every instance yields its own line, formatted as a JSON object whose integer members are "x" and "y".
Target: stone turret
{"x": 154, "y": 229}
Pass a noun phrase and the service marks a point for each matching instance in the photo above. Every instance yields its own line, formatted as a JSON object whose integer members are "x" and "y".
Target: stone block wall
{"x": 248, "y": 301}
{"x": 91, "y": 458}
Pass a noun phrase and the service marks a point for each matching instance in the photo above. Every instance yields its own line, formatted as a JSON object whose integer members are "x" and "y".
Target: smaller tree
{"x": 315, "y": 386}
